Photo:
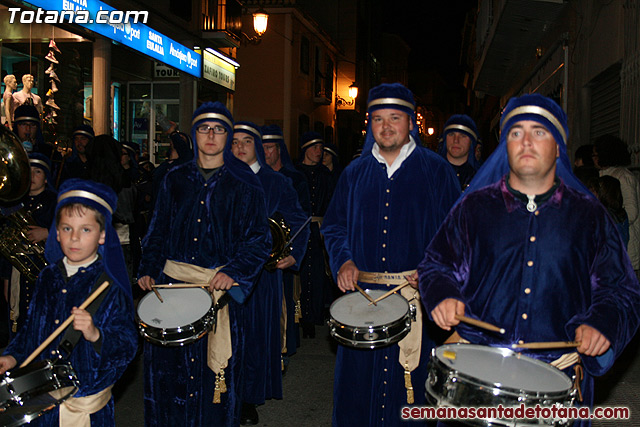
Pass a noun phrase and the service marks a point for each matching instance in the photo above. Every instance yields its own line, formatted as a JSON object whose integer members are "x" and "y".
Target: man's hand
{"x": 6, "y": 363}
{"x": 413, "y": 280}
{"x": 592, "y": 342}
{"x": 445, "y": 313}
{"x": 146, "y": 282}
{"x": 347, "y": 276}
{"x": 220, "y": 282}
{"x": 37, "y": 234}
{"x": 83, "y": 322}
{"x": 286, "y": 262}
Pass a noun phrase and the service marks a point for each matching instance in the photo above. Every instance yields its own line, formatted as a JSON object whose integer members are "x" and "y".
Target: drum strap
{"x": 411, "y": 345}
{"x": 219, "y": 349}
{"x": 76, "y": 411}
{"x": 385, "y": 278}
{"x": 71, "y": 336}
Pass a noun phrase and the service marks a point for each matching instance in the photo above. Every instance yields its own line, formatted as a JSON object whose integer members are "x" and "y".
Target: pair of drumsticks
{"x": 479, "y": 323}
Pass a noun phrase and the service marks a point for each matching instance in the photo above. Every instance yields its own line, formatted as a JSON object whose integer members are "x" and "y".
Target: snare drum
{"x": 185, "y": 316}
{"x": 26, "y": 393}
{"x": 467, "y": 375}
{"x": 357, "y": 324}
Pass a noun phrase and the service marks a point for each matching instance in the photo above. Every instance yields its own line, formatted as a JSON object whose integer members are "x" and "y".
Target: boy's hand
{"x": 83, "y": 322}
{"x": 6, "y": 363}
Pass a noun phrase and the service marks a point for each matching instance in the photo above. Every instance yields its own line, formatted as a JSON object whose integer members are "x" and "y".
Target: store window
{"x": 154, "y": 111}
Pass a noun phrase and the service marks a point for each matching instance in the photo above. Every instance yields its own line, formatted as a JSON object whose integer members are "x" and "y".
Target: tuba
{"x": 280, "y": 234}
{"x": 15, "y": 180}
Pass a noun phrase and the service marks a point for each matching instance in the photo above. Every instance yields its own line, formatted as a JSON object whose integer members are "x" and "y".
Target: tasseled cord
{"x": 408, "y": 385}
{"x": 221, "y": 386}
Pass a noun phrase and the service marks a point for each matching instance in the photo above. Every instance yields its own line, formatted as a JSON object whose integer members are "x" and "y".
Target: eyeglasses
{"x": 205, "y": 129}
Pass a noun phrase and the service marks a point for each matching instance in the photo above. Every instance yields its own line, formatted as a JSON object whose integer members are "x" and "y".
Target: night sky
{"x": 433, "y": 31}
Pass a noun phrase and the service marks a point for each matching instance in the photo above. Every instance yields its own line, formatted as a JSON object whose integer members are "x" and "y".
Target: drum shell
{"x": 176, "y": 336}
{"x": 27, "y": 392}
{"x": 371, "y": 337}
{"x": 448, "y": 387}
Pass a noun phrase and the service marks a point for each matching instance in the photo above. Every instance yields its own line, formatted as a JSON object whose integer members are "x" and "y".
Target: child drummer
{"x": 83, "y": 251}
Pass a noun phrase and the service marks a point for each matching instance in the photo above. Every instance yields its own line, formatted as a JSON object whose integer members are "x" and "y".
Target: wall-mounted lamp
{"x": 353, "y": 94}
{"x": 260, "y": 21}
{"x": 431, "y": 131}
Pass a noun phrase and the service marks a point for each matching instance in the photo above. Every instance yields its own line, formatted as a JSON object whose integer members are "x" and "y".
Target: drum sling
{"x": 76, "y": 411}
{"x": 410, "y": 345}
{"x": 219, "y": 349}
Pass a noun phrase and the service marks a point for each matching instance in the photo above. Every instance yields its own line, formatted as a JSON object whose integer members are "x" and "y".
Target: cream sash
{"x": 76, "y": 411}
{"x": 219, "y": 349}
{"x": 411, "y": 344}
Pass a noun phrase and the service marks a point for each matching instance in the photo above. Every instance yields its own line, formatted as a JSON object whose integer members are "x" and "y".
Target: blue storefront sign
{"x": 137, "y": 36}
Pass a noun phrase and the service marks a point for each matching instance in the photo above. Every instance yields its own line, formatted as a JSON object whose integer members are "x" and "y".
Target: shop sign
{"x": 162, "y": 71}
{"x": 135, "y": 35}
{"x": 219, "y": 71}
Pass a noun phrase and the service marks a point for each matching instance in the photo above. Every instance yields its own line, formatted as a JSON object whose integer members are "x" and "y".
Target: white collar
{"x": 73, "y": 269}
{"x": 255, "y": 167}
{"x": 405, "y": 151}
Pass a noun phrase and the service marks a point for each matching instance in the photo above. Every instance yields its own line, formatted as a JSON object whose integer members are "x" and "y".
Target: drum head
{"x": 503, "y": 367}
{"x": 354, "y": 310}
{"x": 181, "y": 307}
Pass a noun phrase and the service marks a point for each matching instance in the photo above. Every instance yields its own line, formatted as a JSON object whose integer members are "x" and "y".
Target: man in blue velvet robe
{"x": 262, "y": 365}
{"x": 316, "y": 287}
{"x": 529, "y": 249}
{"x": 277, "y": 157}
{"x": 73, "y": 271}
{"x": 388, "y": 205}
{"x": 210, "y": 212}
{"x": 458, "y": 146}
{"x": 40, "y": 203}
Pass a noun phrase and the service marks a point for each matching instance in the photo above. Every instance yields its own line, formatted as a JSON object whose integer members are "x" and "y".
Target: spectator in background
{"x": 458, "y": 146}
{"x": 611, "y": 156}
{"x": 584, "y": 156}
{"x": 180, "y": 152}
{"x": 331, "y": 161}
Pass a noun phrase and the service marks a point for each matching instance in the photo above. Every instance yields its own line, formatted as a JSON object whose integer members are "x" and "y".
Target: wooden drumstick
{"x": 155, "y": 291}
{"x": 480, "y": 324}
{"x": 64, "y": 324}
{"x": 184, "y": 285}
{"x": 392, "y": 291}
{"x": 366, "y": 295}
{"x": 548, "y": 344}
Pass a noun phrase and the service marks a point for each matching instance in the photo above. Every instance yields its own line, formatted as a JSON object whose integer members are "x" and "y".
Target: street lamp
{"x": 260, "y": 20}
{"x": 353, "y": 94}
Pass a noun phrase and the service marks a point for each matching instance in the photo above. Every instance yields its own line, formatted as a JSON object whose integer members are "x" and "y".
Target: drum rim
{"x": 508, "y": 390}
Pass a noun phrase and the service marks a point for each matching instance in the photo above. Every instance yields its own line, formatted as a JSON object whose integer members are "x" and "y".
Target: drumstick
{"x": 185, "y": 285}
{"x": 548, "y": 344}
{"x": 155, "y": 291}
{"x": 64, "y": 325}
{"x": 479, "y": 324}
{"x": 394, "y": 290}
{"x": 366, "y": 295}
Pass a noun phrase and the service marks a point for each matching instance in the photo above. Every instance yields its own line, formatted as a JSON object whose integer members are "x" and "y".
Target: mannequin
{"x": 25, "y": 96}
{"x": 11, "y": 84}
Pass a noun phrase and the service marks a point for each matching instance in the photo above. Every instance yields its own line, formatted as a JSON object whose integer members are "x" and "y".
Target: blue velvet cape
{"x": 579, "y": 273}
{"x": 229, "y": 220}
{"x": 262, "y": 372}
{"x": 382, "y": 225}
{"x": 97, "y": 365}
